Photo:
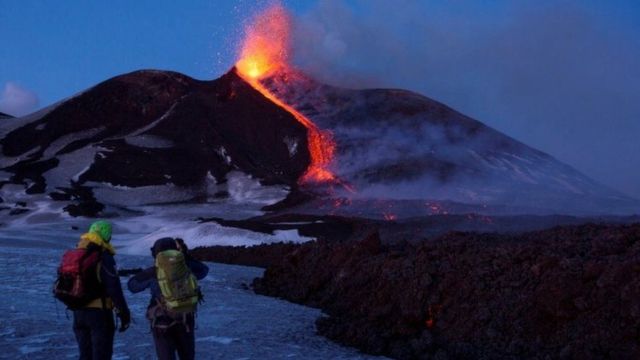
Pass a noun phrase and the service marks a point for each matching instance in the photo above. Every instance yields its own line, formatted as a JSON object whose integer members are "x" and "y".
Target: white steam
{"x": 560, "y": 76}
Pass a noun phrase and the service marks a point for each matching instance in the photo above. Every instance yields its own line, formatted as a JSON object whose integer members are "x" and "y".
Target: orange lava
{"x": 430, "y": 323}
{"x": 432, "y": 311}
{"x": 264, "y": 52}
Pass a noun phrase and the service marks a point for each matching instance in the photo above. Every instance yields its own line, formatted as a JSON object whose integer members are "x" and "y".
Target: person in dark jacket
{"x": 93, "y": 325}
{"x": 169, "y": 335}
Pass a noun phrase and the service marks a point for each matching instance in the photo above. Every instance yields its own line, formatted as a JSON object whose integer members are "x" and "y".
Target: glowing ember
{"x": 389, "y": 216}
{"x": 436, "y": 209}
{"x": 264, "y": 52}
{"x": 430, "y": 323}
{"x": 266, "y": 44}
{"x": 432, "y": 311}
{"x": 337, "y": 203}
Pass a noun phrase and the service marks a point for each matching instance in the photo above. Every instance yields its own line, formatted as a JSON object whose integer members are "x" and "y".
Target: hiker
{"x": 93, "y": 322}
{"x": 172, "y": 316}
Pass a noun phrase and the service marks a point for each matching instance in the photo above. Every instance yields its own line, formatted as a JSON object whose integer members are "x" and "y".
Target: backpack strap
{"x": 103, "y": 297}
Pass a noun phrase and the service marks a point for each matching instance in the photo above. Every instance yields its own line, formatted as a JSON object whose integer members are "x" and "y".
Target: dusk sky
{"x": 561, "y": 76}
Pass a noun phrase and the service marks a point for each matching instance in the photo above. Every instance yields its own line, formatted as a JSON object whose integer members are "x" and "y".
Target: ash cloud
{"x": 560, "y": 76}
{"x": 16, "y": 100}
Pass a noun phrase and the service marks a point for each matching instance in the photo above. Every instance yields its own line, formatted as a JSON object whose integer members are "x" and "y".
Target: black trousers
{"x": 178, "y": 339}
{"x": 94, "y": 330}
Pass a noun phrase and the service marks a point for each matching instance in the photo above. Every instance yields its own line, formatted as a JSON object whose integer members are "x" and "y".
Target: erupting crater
{"x": 264, "y": 53}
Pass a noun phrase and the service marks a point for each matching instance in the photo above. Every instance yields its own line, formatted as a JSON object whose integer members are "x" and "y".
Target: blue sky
{"x": 561, "y": 75}
{"x": 57, "y": 48}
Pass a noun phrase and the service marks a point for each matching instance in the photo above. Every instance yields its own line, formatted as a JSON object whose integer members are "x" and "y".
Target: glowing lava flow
{"x": 264, "y": 52}
{"x": 321, "y": 146}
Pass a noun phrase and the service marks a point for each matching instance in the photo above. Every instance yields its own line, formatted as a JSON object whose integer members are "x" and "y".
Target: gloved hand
{"x": 125, "y": 319}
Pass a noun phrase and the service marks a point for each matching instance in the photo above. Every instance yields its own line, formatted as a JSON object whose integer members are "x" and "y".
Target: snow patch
{"x": 4, "y": 176}
{"x": 216, "y": 339}
{"x": 150, "y": 142}
{"x": 206, "y": 234}
{"x": 154, "y": 123}
{"x": 76, "y": 177}
{"x": 525, "y": 160}
{"x": 65, "y": 140}
{"x": 212, "y": 185}
{"x": 6, "y": 161}
{"x": 71, "y": 166}
{"x": 518, "y": 173}
{"x": 568, "y": 186}
{"x": 118, "y": 195}
{"x": 292, "y": 145}
{"x": 223, "y": 154}
{"x": 244, "y": 189}
{"x": 13, "y": 193}
{"x": 30, "y": 349}
{"x": 9, "y": 125}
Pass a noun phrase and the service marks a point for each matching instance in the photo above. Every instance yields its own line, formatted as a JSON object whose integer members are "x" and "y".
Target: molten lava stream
{"x": 321, "y": 145}
{"x": 265, "y": 51}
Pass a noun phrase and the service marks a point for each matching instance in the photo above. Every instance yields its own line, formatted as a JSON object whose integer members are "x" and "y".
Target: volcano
{"x": 161, "y": 137}
{"x": 182, "y": 140}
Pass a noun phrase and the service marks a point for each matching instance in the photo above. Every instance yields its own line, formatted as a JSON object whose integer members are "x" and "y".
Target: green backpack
{"x": 178, "y": 285}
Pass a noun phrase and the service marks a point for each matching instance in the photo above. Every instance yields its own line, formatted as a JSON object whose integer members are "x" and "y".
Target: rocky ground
{"x": 568, "y": 292}
{"x": 263, "y": 256}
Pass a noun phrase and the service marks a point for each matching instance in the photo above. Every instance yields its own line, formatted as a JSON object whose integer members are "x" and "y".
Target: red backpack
{"x": 77, "y": 283}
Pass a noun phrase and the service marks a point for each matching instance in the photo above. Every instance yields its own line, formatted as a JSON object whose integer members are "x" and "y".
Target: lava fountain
{"x": 264, "y": 52}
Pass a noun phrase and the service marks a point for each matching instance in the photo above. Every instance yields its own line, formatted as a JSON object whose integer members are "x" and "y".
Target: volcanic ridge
{"x": 179, "y": 139}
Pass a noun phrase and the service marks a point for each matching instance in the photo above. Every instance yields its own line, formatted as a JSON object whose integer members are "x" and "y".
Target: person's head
{"x": 103, "y": 229}
{"x": 163, "y": 244}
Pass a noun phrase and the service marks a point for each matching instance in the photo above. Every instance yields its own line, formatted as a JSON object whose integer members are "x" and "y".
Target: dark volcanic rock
{"x": 83, "y": 202}
{"x": 18, "y": 211}
{"x": 338, "y": 229}
{"x": 259, "y": 255}
{"x": 567, "y": 292}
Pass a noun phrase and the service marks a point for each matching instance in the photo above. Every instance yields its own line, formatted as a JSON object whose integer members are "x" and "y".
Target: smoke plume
{"x": 560, "y": 76}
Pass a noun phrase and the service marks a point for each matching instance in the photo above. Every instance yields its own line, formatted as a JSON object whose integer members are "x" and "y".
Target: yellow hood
{"x": 93, "y": 238}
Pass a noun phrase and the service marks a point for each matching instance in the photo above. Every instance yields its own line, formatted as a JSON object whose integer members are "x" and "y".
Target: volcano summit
{"x": 162, "y": 137}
